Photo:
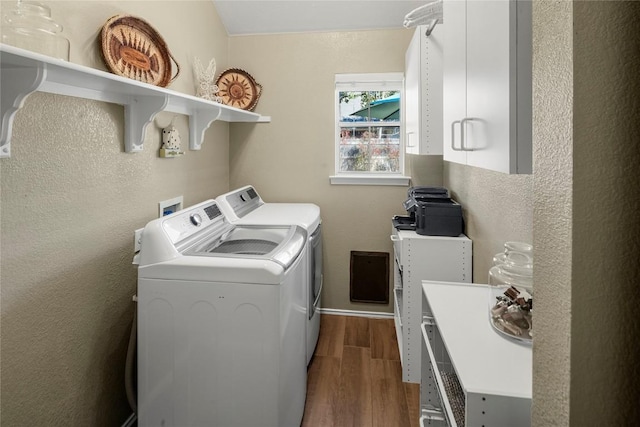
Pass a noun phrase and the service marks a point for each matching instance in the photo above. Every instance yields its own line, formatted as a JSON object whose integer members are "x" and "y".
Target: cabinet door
{"x": 491, "y": 74}
{"x": 454, "y": 78}
{"x": 487, "y": 84}
{"x": 423, "y": 92}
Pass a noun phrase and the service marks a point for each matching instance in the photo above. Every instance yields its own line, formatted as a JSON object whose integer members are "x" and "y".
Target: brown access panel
{"x": 369, "y": 281}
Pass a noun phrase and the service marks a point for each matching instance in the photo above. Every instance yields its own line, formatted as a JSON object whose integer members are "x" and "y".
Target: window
{"x": 368, "y": 129}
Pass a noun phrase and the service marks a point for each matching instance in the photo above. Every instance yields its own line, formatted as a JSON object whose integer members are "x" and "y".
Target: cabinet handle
{"x": 462, "y": 128}
{"x": 462, "y": 138}
{"x": 409, "y": 144}
{"x": 453, "y": 135}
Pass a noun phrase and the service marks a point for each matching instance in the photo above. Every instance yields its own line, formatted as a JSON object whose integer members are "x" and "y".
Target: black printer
{"x": 432, "y": 212}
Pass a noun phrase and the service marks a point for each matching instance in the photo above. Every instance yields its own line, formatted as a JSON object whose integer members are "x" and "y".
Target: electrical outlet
{"x": 137, "y": 239}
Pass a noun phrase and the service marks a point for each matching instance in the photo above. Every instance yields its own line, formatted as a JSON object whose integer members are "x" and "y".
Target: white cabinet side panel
{"x": 427, "y": 258}
{"x": 431, "y": 141}
{"x": 412, "y": 94}
{"x": 454, "y": 77}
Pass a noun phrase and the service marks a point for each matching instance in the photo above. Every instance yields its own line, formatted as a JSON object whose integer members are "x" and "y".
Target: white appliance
{"x": 245, "y": 205}
{"x": 221, "y": 314}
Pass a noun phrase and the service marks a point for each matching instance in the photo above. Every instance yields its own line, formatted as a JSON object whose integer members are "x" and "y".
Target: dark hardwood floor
{"x": 355, "y": 377}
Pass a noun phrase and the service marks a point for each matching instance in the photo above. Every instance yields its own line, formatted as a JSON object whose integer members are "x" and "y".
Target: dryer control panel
{"x": 241, "y": 202}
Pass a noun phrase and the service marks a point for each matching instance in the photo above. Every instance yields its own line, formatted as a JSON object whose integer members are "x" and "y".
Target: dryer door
{"x": 315, "y": 281}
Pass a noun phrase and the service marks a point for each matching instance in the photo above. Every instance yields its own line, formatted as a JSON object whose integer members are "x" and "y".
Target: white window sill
{"x": 370, "y": 180}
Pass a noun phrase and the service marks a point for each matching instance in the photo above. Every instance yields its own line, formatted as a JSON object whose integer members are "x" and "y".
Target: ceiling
{"x": 242, "y": 17}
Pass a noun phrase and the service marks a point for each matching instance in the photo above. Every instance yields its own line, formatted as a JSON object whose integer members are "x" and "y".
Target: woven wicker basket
{"x": 132, "y": 48}
{"x": 238, "y": 89}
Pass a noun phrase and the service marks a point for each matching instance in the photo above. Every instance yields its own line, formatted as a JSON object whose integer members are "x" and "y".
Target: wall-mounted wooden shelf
{"x": 24, "y": 72}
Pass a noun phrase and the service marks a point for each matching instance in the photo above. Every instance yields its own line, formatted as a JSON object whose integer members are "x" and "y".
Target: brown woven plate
{"x": 238, "y": 89}
{"x": 132, "y": 48}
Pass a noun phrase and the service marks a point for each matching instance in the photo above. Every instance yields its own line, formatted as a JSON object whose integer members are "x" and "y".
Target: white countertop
{"x": 485, "y": 361}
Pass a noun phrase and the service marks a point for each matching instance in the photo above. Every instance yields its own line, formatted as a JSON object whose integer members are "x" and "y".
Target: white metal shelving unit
{"x": 470, "y": 375}
{"x": 417, "y": 258}
{"x": 24, "y": 72}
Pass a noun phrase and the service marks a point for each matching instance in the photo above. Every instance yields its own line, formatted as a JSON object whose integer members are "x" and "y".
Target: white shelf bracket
{"x": 17, "y": 84}
{"x": 23, "y": 72}
{"x": 138, "y": 113}
{"x": 199, "y": 122}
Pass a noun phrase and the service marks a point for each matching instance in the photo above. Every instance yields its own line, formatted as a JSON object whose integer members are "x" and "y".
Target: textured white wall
{"x": 425, "y": 170}
{"x": 497, "y": 208}
{"x": 605, "y": 329}
{"x": 70, "y": 200}
{"x": 586, "y": 228}
{"x": 553, "y": 169}
{"x": 291, "y": 158}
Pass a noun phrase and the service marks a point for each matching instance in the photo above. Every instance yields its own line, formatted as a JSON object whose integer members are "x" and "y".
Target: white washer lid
{"x": 216, "y": 270}
{"x": 276, "y": 243}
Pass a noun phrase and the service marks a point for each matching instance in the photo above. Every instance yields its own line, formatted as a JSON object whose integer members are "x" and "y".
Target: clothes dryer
{"x": 221, "y": 315}
{"x": 244, "y": 205}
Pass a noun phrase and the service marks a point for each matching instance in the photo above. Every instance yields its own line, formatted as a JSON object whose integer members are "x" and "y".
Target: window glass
{"x": 369, "y": 128}
{"x": 369, "y": 149}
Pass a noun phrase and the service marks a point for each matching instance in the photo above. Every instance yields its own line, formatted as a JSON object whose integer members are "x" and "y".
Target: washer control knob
{"x": 196, "y": 219}
{"x": 244, "y": 197}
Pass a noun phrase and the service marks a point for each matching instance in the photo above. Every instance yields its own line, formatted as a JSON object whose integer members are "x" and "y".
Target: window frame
{"x": 369, "y": 82}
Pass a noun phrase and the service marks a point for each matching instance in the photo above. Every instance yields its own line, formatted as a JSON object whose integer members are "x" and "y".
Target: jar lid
{"x": 32, "y": 16}
{"x": 518, "y": 247}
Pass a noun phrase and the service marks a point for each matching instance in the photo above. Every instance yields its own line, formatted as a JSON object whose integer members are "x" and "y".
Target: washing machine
{"x": 221, "y": 313}
{"x": 245, "y": 205}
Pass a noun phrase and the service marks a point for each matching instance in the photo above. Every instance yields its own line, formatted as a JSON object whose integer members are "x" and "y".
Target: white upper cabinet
{"x": 487, "y": 84}
{"x": 423, "y": 92}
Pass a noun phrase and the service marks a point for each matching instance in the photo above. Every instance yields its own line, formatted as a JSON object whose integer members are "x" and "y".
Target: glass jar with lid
{"x": 28, "y": 25}
{"x": 511, "y": 300}
{"x": 524, "y": 249}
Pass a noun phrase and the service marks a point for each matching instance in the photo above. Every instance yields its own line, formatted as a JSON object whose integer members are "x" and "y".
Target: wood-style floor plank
{"x": 354, "y": 397}
{"x": 384, "y": 344}
{"x": 323, "y": 379}
{"x": 412, "y": 393}
{"x": 357, "y": 332}
{"x": 352, "y": 385}
{"x": 331, "y": 338}
{"x": 388, "y": 395}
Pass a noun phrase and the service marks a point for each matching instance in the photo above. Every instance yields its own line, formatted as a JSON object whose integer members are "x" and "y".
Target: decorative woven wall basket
{"x": 132, "y": 48}
{"x": 237, "y": 88}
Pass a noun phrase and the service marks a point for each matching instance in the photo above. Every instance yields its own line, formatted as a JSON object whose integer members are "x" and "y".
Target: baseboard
{"x": 371, "y": 314}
